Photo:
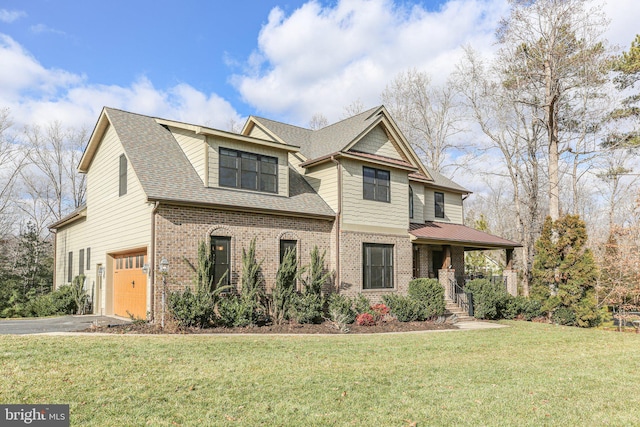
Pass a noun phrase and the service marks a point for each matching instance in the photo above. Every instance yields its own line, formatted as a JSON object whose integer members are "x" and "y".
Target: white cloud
{"x": 320, "y": 59}
{"x": 36, "y": 94}
{"x": 624, "y": 21}
{"x": 10, "y": 16}
{"x": 41, "y": 28}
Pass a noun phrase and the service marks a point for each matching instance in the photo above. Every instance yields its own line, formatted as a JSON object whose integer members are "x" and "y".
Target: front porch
{"x": 439, "y": 252}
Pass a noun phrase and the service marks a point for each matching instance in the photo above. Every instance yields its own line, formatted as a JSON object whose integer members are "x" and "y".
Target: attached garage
{"x": 130, "y": 285}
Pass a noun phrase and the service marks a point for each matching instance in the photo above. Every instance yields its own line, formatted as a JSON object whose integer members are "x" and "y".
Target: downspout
{"x": 338, "y": 216}
{"x": 152, "y": 259}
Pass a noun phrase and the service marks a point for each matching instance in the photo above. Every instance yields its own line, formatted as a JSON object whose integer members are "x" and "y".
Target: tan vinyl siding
{"x": 452, "y": 206}
{"x": 214, "y": 143}
{"x": 295, "y": 159}
{"x": 71, "y": 238}
{"x": 124, "y": 223}
{"x": 373, "y": 214}
{"x": 324, "y": 180}
{"x": 258, "y": 132}
{"x": 194, "y": 148}
{"x": 418, "y": 202}
{"x": 377, "y": 142}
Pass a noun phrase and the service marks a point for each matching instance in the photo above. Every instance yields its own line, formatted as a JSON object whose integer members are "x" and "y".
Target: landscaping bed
{"x": 287, "y": 328}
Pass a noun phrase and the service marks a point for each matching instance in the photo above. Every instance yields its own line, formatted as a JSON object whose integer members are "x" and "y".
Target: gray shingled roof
{"x": 166, "y": 174}
{"x": 442, "y": 181}
{"x": 334, "y": 138}
{"x": 328, "y": 140}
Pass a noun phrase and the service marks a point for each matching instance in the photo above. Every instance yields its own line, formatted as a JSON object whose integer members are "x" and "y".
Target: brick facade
{"x": 179, "y": 230}
{"x": 351, "y": 263}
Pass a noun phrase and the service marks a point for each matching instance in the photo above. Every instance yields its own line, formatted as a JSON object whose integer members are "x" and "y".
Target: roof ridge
{"x": 350, "y": 118}
{"x": 281, "y": 123}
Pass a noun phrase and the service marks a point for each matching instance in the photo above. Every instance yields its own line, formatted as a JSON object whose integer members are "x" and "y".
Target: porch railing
{"x": 462, "y": 299}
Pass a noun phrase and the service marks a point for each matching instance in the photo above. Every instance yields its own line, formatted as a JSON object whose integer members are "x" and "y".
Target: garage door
{"x": 130, "y": 286}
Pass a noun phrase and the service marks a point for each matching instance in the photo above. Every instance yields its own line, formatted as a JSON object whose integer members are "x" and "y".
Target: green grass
{"x": 528, "y": 374}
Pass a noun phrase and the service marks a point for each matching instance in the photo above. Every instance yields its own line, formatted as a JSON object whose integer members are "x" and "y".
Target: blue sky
{"x": 215, "y": 62}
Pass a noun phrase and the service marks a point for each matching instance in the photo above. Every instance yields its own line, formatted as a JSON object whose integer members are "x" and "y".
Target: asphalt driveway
{"x": 55, "y": 324}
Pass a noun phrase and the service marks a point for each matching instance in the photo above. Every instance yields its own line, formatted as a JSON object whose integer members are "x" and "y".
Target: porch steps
{"x": 452, "y": 309}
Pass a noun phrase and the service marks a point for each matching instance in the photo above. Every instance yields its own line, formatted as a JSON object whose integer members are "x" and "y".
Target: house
{"x": 356, "y": 189}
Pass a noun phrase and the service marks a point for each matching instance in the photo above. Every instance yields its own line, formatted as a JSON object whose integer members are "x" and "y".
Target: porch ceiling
{"x": 446, "y": 233}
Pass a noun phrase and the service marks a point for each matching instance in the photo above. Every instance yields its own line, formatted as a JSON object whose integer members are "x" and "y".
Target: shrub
{"x": 252, "y": 293}
{"x": 404, "y": 308}
{"x": 282, "y": 297}
{"x": 380, "y": 309}
{"x": 564, "y": 316}
{"x": 191, "y": 309}
{"x": 365, "y": 319}
{"x": 340, "y": 309}
{"x": 233, "y": 310}
{"x": 430, "y": 294}
{"x": 306, "y": 308}
{"x": 79, "y": 293}
{"x": 317, "y": 277}
{"x": 60, "y": 301}
{"x": 489, "y": 299}
{"x": 362, "y": 304}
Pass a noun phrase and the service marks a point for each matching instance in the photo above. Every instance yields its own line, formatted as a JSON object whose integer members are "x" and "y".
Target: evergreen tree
{"x": 565, "y": 273}
{"x": 34, "y": 264}
{"x": 627, "y": 116}
{"x": 285, "y": 290}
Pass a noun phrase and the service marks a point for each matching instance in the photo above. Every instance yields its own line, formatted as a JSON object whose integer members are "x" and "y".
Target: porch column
{"x": 510, "y": 274}
{"x": 512, "y": 281}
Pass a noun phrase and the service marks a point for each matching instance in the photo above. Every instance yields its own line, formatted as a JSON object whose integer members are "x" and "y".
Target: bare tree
{"x": 54, "y": 155}
{"x": 514, "y": 132}
{"x": 428, "y": 116}
{"x": 550, "y": 49}
{"x": 11, "y": 162}
{"x": 356, "y": 107}
{"x": 318, "y": 121}
{"x": 619, "y": 183}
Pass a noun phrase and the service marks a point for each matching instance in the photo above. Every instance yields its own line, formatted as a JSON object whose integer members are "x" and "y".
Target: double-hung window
{"x": 377, "y": 265}
{"x": 249, "y": 171}
{"x": 439, "y": 204}
{"x": 376, "y": 184}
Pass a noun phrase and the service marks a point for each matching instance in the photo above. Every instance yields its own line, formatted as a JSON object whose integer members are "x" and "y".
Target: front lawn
{"x": 528, "y": 374}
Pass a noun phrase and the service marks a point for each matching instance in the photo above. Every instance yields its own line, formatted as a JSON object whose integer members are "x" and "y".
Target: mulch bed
{"x": 288, "y": 328}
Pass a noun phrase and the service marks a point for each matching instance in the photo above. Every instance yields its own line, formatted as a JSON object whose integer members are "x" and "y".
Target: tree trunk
{"x": 552, "y": 133}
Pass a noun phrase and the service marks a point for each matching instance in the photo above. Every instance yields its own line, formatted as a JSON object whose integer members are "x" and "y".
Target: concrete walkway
{"x": 55, "y": 324}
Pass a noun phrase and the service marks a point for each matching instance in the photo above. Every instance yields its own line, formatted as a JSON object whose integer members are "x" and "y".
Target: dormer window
{"x": 376, "y": 184}
{"x": 248, "y": 171}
